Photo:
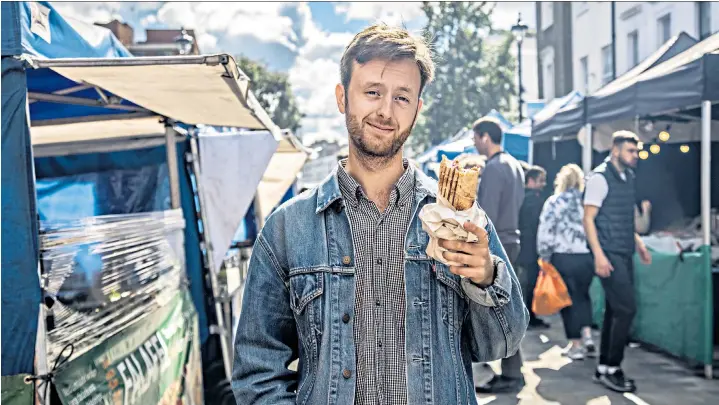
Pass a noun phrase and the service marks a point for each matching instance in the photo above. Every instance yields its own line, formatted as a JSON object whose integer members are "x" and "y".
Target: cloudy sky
{"x": 305, "y": 40}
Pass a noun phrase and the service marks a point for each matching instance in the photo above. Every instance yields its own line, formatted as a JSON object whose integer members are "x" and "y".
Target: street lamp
{"x": 185, "y": 41}
{"x": 519, "y": 30}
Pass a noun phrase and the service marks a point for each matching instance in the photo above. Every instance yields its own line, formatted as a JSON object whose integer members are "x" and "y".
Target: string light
{"x": 664, "y": 136}
{"x": 640, "y": 145}
{"x": 644, "y": 155}
{"x": 684, "y": 148}
{"x": 655, "y": 149}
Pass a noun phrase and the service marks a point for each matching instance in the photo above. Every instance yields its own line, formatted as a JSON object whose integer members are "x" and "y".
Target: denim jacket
{"x": 299, "y": 303}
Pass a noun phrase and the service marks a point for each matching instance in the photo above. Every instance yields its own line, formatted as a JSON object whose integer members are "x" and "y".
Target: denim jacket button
{"x": 345, "y": 318}
{"x": 347, "y": 374}
{"x": 346, "y": 260}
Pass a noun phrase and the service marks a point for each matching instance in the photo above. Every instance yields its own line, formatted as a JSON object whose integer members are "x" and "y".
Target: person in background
{"x": 500, "y": 194}
{"x": 609, "y": 223}
{"x": 535, "y": 181}
{"x": 562, "y": 242}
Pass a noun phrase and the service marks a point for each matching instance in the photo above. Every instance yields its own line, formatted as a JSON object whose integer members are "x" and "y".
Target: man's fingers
{"x": 468, "y": 260}
{"x": 469, "y": 272}
{"x": 459, "y": 246}
{"x": 481, "y": 234}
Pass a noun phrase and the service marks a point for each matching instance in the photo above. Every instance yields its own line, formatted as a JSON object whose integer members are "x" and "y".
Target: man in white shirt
{"x": 609, "y": 222}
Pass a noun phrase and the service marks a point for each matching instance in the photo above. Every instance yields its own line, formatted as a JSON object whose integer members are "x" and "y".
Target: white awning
{"x": 209, "y": 90}
{"x": 97, "y": 136}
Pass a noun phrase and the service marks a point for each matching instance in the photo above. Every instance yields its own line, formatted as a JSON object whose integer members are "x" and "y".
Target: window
{"x": 547, "y": 14}
{"x": 606, "y": 64}
{"x": 705, "y": 22}
{"x": 584, "y": 64}
{"x": 664, "y": 29}
{"x": 549, "y": 81}
{"x": 633, "y": 48}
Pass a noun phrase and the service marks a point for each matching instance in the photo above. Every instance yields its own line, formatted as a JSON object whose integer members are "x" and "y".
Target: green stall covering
{"x": 674, "y": 304}
{"x": 15, "y": 391}
{"x": 154, "y": 361}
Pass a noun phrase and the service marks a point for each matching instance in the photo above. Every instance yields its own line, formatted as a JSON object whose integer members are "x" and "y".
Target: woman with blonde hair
{"x": 561, "y": 241}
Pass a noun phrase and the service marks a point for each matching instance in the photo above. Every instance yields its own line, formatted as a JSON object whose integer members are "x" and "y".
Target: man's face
{"x": 537, "y": 184}
{"x": 380, "y": 105}
{"x": 627, "y": 154}
{"x": 481, "y": 143}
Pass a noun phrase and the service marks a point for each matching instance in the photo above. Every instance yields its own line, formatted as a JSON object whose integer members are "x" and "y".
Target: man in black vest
{"x": 609, "y": 224}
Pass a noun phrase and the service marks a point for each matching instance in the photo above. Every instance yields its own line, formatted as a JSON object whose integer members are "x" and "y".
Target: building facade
{"x": 640, "y": 29}
{"x": 165, "y": 42}
{"x": 554, "y": 49}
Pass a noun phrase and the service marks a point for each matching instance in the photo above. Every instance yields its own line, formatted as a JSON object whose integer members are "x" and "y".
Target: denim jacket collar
{"x": 329, "y": 190}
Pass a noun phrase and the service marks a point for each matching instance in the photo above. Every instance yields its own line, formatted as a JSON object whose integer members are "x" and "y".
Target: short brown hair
{"x": 620, "y": 137}
{"x": 380, "y": 41}
{"x": 534, "y": 173}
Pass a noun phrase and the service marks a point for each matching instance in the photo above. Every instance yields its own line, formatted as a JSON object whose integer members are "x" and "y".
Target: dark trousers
{"x": 577, "y": 271}
{"x": 530, "y": 273}
{"x": 512, "y": 366}
{"x": 620, "y": 308}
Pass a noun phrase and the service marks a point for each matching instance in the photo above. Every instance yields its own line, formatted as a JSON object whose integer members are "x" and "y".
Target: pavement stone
{"x": 552, "y": 379}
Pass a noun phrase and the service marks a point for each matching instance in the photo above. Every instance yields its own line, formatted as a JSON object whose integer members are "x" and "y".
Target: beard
{"x": 370, "y": 148}
{"x": 632, "y": 163}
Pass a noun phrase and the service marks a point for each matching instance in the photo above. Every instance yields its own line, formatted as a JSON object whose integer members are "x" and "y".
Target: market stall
{"x": 672, "y": 106}
{"x": 107, "y": 142}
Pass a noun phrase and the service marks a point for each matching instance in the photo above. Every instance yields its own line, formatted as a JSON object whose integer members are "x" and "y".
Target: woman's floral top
{"x": 560, "y": 225}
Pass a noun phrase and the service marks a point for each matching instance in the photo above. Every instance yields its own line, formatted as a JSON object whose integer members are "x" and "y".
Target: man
{"x": 500, "y": 194}
{"x": 535, "y": 181}
{"x": 609, "y": 224}
{"x": 339, "y": 277}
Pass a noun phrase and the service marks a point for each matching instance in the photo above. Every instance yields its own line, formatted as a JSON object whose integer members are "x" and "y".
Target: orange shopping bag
{"x": 550, "y": 294}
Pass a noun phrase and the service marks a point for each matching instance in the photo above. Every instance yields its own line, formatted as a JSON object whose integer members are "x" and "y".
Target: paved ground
{"x": 554, "y": 380}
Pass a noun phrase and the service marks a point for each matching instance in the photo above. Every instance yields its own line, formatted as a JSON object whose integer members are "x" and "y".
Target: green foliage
{"x": 274, "y": 92}
{"x": 472, "y": 77}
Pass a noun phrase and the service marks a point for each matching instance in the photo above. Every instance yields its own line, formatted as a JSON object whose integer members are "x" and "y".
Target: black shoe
{"x": 536, "y": 323}
{"x": 591, "y": 349}
{"x": 500, "y": 384}
{"x": 617, "y": 381}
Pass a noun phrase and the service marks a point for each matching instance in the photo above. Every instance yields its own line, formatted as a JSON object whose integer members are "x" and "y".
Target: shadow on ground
{"x": 555, "y": 380}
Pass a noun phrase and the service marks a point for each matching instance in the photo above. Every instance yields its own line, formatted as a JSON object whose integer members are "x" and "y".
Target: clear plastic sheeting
{"x": 101, "y": 274}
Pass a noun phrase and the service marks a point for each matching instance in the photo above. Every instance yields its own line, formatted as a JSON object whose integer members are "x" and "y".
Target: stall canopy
{"x": 681, "y": 78}
{"x": 568, "y": 116}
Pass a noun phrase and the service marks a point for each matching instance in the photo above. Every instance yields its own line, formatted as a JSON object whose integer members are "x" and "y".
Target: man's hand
{"x": 602, "y": 266}
{"x": 644, "y": 256}
{"x": 476, "y": 262}
{"x": 646, "y": 206}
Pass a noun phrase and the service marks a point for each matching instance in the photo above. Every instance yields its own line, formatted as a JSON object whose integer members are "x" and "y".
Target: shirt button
{"x": 379, "y": 343}
{"x": 379, "y": 261}
{"x": 346, "y": 374}
{"x": 378, "y": 303}
{"x": 345, "y": 318}
{"x": 346, "y": 260}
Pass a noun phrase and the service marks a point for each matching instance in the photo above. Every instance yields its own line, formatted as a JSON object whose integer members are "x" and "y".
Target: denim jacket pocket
{"x": 306, "y": 291}
{"x": 453, "y": 300}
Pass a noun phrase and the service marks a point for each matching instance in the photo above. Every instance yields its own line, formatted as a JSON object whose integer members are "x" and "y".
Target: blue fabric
{"x": 10, "y": 14}
{"x": 20, "y": 285}
{"x": 66, "y": 42}
{"x": 90, "y": 168}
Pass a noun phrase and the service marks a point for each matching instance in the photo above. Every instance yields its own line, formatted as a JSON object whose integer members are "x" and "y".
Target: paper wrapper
{"x": 442, "y": 221}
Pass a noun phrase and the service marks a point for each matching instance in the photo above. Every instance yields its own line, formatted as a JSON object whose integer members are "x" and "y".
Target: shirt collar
{"x": 352, "y": 191}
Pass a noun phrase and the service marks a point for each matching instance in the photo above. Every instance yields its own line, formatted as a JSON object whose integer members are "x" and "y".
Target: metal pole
{"x": 706, "y": 200}
{"x": 172, "y": 167}
{"x": 587, "y": 149}
{"x": 214, "y": 284}
{"x": 530, "y": 158}
{"x": 519, "y": 71}
{"x": 706, "y": 172}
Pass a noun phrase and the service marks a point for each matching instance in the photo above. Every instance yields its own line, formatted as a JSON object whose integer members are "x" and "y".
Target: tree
{"x": 274, "y": 92}
{"x": 472, "y": 76}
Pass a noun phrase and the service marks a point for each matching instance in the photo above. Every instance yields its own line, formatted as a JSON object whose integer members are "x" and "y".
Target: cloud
{"x": 505, "y": 14}
{"x": 390, "y": 13}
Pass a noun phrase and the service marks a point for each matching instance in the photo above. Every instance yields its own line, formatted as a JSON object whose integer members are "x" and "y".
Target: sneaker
{"x": 574, "y": 353}
{"x": 589, "y": 348}
{"x": 617, "y": 381}
{"x": 500, "y": 384}
{"x": 536, "y": 323}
